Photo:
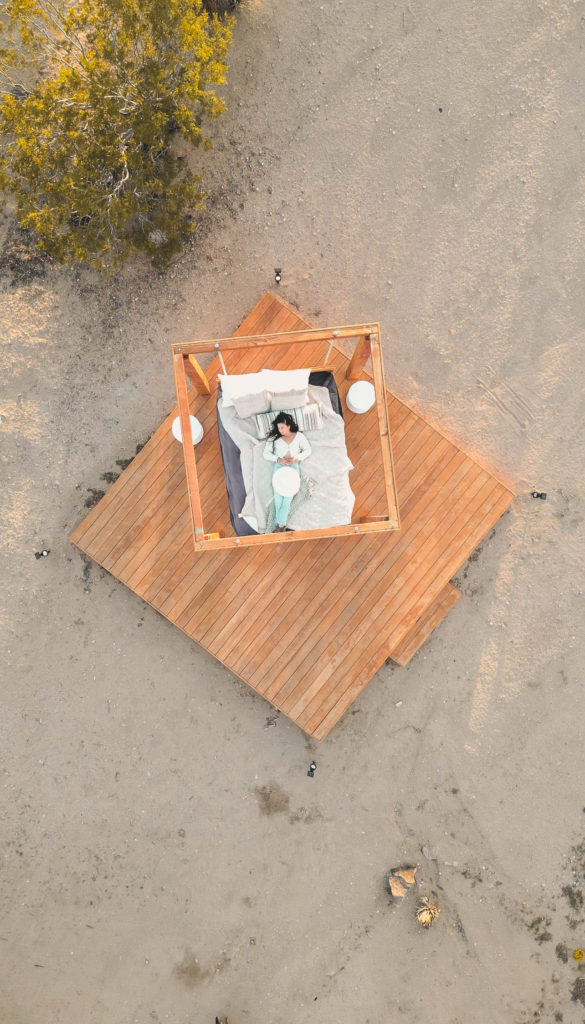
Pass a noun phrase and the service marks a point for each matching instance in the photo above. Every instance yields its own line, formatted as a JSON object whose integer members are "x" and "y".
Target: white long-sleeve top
{"x": 299, "y": 448}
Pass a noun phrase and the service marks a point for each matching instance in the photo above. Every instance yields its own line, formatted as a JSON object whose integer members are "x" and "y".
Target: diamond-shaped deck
{"x": 356, "y": 600}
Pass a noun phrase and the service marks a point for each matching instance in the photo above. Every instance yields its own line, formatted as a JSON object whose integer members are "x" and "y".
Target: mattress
{"x": 230, "y": 454}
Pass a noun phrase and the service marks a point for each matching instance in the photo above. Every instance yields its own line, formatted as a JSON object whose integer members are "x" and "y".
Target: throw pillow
{"x": 251, "y": 405}
{"x": 307, "y": 417}
{"x": 236, "y": 385}
{"x": 288, "y": 400}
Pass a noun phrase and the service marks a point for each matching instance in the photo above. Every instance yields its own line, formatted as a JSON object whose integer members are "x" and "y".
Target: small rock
{"x": 406, "y": 874}
{"x": 397, "y": 889}
{"x": 400, "y": 881}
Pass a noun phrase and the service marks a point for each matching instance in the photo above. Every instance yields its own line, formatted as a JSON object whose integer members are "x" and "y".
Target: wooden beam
{"x": 264, "y": 340}
{"x": 325, "y": 368}
{"x": 359, "y": 358}
{"x": 196, "y": 375}
{"x": 386, "y": 448}
{"x": 258, "y": 540}
{"x": 188, "y": 452}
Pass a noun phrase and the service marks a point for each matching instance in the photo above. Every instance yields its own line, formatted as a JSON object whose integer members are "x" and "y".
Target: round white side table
{"x": 196, "y": 429}
{"x": 361, "y": 396}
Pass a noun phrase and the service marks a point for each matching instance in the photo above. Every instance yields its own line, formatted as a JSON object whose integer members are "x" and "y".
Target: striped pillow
{"x": 307, "y": 417}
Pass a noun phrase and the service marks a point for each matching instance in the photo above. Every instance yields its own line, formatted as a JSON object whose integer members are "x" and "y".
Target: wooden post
{"x": 387, "y": 462}
{"x": 188, "y": 453}
{"x": 359, "y": 358}
{"x": 196, "y": 375}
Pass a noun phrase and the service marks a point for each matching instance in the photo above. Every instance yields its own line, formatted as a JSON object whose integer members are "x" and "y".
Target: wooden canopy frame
{"x": 367, "y": 346}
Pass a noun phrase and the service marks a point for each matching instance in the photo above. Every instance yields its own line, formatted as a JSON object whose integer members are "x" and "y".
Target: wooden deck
{"x": 359, "y": 600}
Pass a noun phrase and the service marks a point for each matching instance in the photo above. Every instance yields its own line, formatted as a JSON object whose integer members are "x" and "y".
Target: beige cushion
{"x": 251, "y": 405}
{"x": 307, "y": 417}
{"x": 288, "y": 400}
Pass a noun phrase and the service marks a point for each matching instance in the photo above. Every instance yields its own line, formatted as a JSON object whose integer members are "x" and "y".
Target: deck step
{"x": 425, "y": 624}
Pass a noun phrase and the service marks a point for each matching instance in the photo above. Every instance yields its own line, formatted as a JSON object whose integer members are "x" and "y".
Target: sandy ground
{"x": 165, "y": 857}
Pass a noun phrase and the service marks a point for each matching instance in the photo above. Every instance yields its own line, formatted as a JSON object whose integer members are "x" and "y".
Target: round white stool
{"x": 361, "y": 396}
{"x": 196, "y": 429}
{"x": 286, "y": 481}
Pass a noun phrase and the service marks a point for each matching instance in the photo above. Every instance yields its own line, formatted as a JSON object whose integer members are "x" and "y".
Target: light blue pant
{"x": 282, "y": 505}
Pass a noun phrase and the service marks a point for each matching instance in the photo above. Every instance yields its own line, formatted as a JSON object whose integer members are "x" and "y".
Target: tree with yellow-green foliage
{"x": 93, "y": 92}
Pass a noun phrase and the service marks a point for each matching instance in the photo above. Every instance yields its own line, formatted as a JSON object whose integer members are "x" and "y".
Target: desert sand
{"x": 165, "y": 856}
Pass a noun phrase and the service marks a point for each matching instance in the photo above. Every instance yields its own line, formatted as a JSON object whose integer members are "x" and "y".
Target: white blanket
{"x": 331, "y": 500}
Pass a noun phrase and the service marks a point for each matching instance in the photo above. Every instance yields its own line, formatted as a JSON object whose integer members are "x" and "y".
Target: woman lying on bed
{"x": 285, "y": 446}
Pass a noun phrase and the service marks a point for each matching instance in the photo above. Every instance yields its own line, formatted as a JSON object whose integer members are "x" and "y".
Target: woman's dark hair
{"x": 283, "y": 417}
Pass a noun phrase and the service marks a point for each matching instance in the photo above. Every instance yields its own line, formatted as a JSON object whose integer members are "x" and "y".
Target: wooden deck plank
{"x": 491, "y": 506}
{"x": 360, "y": 599}
{"x": 158, "y": 542}
{"x": 125, "y": 518}
{"x": 369, "y": 667}
{"x": 163, "y": 567}
{"x": 277, "y": 665}
{"x": 330, "y": 595}
{"x": 154, "y": 451}
{"x": 402, "y": 584}
{"x": 306, "y": 573}
{"x": 321, "y": 567}
{"x": 143, "y": 502}
{"x": 330, "y": 690}
{"x": 331, "y": 639}
{"x": 272, "y": 648}
{"x": 414, "y": 640}
{"x": 384, "y": 591}
{"x": 392, "y": 548}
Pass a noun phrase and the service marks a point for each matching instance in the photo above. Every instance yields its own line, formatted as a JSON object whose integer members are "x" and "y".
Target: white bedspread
{"x": 331, "y": 500}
